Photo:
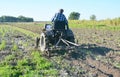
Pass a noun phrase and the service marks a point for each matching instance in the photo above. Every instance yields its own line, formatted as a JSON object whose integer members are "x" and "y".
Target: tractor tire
{"x": 43, "y": 42}
{"x": 72, "y": 39}
{"x": 70, "y": 36}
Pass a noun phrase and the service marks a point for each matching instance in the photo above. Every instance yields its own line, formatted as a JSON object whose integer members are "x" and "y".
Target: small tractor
{"x": 54, "y": 38}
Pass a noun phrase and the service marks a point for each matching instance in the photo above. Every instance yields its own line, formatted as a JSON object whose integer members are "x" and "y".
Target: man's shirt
{"x": 59, "y": 17}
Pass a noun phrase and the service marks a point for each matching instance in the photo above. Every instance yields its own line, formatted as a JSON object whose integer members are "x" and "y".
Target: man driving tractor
{"x": 59, "y": 23}
{"x": 56, "y": 35}
{"x": 59, "y": 20}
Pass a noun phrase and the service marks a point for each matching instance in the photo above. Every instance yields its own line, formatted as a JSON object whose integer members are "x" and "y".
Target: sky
{"x": 44, "y": 10}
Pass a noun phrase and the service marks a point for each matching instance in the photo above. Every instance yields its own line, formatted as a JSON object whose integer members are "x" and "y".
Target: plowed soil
{"x": 97, "y": 56}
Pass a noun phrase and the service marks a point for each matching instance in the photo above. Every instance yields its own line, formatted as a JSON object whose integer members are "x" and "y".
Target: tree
{"x": 93, "y": 17}
{"x": 21, "y": 18}
{"x": 8, "y": 19}
{"x": 15, "y": 19}
{"x": 25, "y": 19}
{"x": 74, "y": 16}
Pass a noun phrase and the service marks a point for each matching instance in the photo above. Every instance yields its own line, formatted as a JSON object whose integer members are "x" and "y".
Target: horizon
{"x": 45, "y": 10}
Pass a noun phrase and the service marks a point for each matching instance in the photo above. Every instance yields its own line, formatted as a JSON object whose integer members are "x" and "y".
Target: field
{"x": 97, "y": 56}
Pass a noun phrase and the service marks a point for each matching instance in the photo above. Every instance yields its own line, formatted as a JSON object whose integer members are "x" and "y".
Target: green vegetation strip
{"x": 3, "y": 45}
{"x": 33, "y": 65}
{"x": 93, "y": 25}
{"x": 27, "y": 32}
{"x": 20, "y": 64}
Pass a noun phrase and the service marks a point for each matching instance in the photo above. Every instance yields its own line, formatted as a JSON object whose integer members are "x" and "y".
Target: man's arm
{"x": 67, "y": 26}
{"x": 66, "y": 23}
{"x": 53, "y": 19}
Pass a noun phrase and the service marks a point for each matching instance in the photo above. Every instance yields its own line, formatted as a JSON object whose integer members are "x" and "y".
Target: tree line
{"x": 16, "y": 19}
{"x": 76, "y": 16}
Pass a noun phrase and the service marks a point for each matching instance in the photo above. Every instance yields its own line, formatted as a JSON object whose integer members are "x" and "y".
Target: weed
{"x": 3, "y": 45}
{"x": 15, "y": 47}
{"x": 25, "y": 44}
{"x": 117, "y": 65}
{"x": 98, "y": 41}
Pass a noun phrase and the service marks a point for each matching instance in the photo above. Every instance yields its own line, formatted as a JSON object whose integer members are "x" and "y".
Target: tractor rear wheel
{"x": 43, "y": 42}
{"x": 71, "y": 39}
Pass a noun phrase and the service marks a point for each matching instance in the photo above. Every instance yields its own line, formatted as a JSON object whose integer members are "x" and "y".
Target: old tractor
{"x": 56, "y": 37}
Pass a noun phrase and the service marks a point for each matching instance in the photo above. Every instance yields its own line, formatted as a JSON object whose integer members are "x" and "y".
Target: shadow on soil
{"x": 86, "y": 50}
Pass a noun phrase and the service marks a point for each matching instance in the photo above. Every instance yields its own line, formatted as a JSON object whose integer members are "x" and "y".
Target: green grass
{"x": 92, "y": 25}
{"x": 3, "y": 45}
{"x": 34, "y": 65}
{"x": 7, "y": 28}
{"x": 15, "y": 47}
{"x": 72, "y": 24}
{"x": 3, "y": 31}
{"x": 117, "y": 65}
{"x": 21, "y": 64}
{"x": 26, "y": 32}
